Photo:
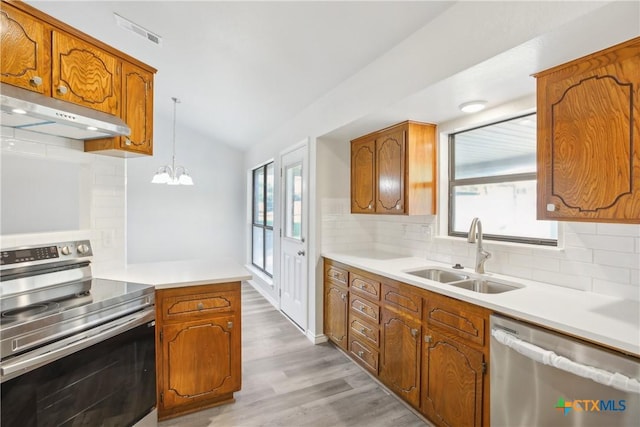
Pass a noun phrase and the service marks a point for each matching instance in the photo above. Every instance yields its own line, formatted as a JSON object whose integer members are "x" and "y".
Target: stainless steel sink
{"x": 484, "y": 286}
{"x": 442, "y": 276}
{"x": 465, "y": 281}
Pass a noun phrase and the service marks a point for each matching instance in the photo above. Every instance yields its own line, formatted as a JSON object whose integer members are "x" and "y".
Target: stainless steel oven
{"x": 75, "y": 351}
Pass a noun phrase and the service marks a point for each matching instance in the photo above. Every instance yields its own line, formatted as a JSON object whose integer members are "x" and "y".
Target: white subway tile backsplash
{"x": 603, "y": 258}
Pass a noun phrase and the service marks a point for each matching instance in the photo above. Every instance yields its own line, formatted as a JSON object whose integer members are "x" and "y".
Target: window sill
{"x": 506, "y": 245}
{"x": 260, "y": 275}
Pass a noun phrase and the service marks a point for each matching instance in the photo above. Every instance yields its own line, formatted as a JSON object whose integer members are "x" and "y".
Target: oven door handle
{"x": 29, "y": 361}
{"x": 550, "y": 358}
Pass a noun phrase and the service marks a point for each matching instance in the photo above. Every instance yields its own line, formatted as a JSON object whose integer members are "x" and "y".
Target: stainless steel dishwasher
{"x": 543, "y": 378}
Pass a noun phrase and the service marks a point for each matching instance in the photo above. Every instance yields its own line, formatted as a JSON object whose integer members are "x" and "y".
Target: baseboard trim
{"x": 316, "y": 339}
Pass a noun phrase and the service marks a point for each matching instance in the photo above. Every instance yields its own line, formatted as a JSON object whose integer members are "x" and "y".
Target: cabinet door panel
{"x": 84, "y": 74}
{"x": 363, "y": 176}
{"x": 201, "y": 360}
{"x": 588, "y": 128}
{"x": 137, "y": 108}
{"x": 400, "y": 355}
{"x": 26, "y": 61}
{"x": 452, "y": 382}
{"x": 335, "y": 314}
{"x": 390, "y": 173}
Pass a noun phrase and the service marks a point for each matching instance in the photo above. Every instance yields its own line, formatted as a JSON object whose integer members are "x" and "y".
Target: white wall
{"x": 100, "y": 191}
{"x": 184, "y": 222}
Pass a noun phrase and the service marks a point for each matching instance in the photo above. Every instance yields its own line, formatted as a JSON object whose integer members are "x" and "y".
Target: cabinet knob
{"x": 414, "y": 332}
{"x": 362, "y": 330}
{"x": 370, "y": 206}
{"x": 343, "y": 297}
{"x": 427, "y": 338}
{"x": 62, "y": 90}
{"x": 398, "y": 206}
{"x": 551, "y": 207}
{"x": 127, "y": 141}
{"x": 36, "y": 80}
{"x": 361, "y": 353}
{"x": 200, "y": 306}
{"x": 229, "y": 325}
{"x": 361, "y": 308}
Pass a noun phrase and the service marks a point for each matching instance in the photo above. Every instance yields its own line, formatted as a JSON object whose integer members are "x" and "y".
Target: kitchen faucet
{"x": 481, "y": 254}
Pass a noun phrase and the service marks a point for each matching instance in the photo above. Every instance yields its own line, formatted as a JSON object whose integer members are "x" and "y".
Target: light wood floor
{"x": 287, "y": 381}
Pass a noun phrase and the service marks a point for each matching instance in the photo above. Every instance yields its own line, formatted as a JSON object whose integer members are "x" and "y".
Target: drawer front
{"x": 401, "y": 301}
{"x": 364, "y": 286}
{"x": 364, "y": 331}
{"x": 456, "y": 318}
{"x": 365, "y": 309}
{"x": 363, "y": 354}
{"x": 181, "y": 307}
{"x": 336, "y": 274}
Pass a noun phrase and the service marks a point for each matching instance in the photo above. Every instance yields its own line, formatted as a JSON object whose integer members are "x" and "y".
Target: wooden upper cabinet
{"x": 363, "y": 170}
{"x": 84, "y": 74}
{"x": 393, "y": 171}
{"x": 137, "y": 113}
{"x": 588, "y": 137}
{"x": 26, "y": 60}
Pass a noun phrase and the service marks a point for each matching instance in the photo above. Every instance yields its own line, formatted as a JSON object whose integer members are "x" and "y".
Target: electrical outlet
{"x": 427, "y": 232}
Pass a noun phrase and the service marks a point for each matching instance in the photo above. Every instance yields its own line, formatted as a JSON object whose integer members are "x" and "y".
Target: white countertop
{"x": 172, "y": 274}
{"x": 611, "y": 321}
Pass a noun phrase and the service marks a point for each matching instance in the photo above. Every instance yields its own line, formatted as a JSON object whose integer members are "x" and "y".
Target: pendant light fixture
{"x": 172, "y": 174}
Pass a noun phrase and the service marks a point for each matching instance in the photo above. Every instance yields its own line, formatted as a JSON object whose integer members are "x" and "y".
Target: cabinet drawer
{"x": 336, "y": 274}
{"x": 364, "y": 286}
{"x": 367, "y": 310}
{"x": 401, "y": 301}
{"x": 195, "y": 305}
{"x": 364, "y": 331}
{"x": 457, "y": 318}
{"x": 363, "y": 354}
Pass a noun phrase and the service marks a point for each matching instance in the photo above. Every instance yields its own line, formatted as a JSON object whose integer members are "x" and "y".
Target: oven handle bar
{"x": 86, "y": 339}
{"x": 548, "y": 357}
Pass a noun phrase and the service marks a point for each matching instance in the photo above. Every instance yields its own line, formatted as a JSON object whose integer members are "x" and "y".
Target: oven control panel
{"x": 42, "y": 254}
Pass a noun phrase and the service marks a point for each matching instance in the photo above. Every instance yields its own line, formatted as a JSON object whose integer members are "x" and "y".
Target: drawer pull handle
{"x": 363, "y": 330}
{"x": 200, "y": 306}
{"x": 361, "y": 353}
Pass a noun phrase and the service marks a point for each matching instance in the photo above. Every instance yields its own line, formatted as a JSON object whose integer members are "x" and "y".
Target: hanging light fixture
{"x": 170, "y": 174}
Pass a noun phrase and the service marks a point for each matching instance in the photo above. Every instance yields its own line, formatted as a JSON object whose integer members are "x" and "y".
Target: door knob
{"x": 301, "y": 253}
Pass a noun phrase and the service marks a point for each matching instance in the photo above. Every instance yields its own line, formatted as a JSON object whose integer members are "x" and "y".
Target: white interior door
{"x": 293, "y": 248}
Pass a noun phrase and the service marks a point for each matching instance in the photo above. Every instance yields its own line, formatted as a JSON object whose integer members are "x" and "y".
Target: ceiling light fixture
{"x": 170, "y": 174}
{"x": 473, "y": 106}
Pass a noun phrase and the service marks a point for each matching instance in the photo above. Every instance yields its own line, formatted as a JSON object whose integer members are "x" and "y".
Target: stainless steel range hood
{"x": 23, "y": 109}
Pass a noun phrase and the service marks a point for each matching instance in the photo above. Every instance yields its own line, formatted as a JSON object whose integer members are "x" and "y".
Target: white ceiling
{"x": 244, "y": 69}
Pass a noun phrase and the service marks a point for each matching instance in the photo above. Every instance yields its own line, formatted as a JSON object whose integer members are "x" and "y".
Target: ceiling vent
{"x": 128, "y": 25}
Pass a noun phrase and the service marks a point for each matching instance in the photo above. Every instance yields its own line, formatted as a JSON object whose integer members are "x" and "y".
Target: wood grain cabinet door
{"x": 26, "y": 60}
{"x": 400, "y": 355}
{"x": 137, "y": 108}
{"x": 363, "y": 169}
{"x": 336, "y": 304}
{"x": 589, "y": 137}
{"x": 200, "y": 361}
{"x": 390, "y": 173}
{"x": 84, "y": 74}
{"x": 452, "y": 381}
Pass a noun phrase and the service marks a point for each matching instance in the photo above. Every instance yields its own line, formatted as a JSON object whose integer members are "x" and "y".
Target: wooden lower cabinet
{"x": 429, "y": 349}
{"x": 452, "y": 381}
{"x": 400, "y": 355}
{"x": 198, "y": 356}
{"x": 336, "y": 300}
